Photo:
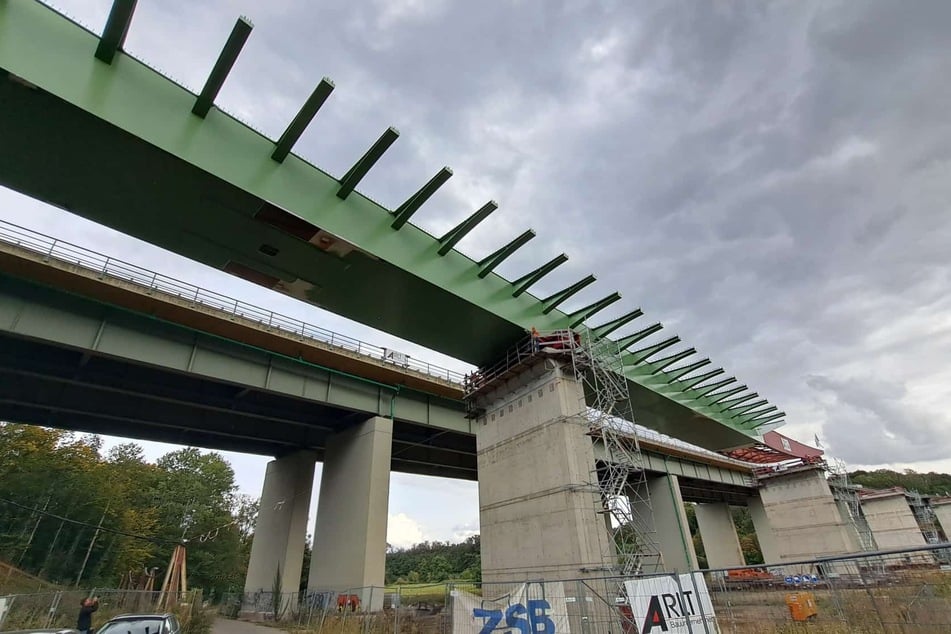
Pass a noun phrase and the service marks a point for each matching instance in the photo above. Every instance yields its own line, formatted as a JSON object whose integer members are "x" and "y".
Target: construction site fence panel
{"x": 60, "y": 609}
{"x": 900, "y": 591}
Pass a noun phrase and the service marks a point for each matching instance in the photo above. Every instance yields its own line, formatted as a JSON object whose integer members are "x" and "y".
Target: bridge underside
{"x": 118, "y": 144}
{"x": 67, "y": 389}
{"x": 135, "y": 395}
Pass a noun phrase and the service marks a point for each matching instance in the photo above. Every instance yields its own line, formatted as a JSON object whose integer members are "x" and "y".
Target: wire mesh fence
{"x": 418, "y": 609}
{"x": 60, "y": 609}
{"x": 904, "y": 591}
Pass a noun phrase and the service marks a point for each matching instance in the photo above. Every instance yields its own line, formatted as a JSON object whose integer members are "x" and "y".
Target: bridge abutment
{"x": 720, "y": 541}
{"x": 281, "y": 529}
{"x": 349, "y": 554}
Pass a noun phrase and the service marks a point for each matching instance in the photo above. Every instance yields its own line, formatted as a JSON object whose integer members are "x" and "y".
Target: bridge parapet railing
{"x": 107, "y": 266}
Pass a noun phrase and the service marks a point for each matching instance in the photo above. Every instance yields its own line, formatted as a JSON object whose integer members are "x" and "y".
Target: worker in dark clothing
{"x": 86, "y": 608}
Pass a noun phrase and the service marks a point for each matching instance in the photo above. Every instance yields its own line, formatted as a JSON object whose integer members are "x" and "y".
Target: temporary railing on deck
{"x": 104, "y": 265}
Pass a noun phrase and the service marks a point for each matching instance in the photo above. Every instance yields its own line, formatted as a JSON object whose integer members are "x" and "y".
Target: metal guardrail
{"x": 104, "y": 265}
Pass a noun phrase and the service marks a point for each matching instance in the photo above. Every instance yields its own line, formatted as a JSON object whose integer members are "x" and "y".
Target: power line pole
{"x": 91, "y": 544}
{"x": 29, "y": 542}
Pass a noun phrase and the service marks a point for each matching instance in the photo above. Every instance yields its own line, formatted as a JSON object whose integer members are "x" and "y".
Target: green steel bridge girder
{"x": 131, "y": 152}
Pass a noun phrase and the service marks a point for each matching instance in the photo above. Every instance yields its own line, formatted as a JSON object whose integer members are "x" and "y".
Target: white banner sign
{"x": 5, "y": 603}
{"x": 532, "y": 608}
{"x": 658, "y": 605}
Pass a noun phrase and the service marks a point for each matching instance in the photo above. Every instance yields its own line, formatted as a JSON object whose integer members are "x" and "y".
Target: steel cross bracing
{"x": 845, "y": 492}
{"x": 620, "y": 480}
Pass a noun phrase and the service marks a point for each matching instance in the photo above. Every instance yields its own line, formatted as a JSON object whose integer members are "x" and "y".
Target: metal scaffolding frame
{"x": 621, "y": 480}
{"x": 845, "y": 492}
{"x": 925, "y": 516}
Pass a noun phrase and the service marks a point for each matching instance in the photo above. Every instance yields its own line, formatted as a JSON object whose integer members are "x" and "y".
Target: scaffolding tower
{"x": 925, "y": 517}
{"x": 846, "y": 493}
{"x": 620, "y": 479}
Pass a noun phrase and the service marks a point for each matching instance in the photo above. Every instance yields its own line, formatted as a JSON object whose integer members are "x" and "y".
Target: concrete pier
{"x": 281, "y": 529}
{"x": 349, "y": 553}
{"x": 800, "y": 518}
{"x": 537, "y": 503}
{"x": 720, "y": 542}
{"x": 670, "y": 531}
{"x": 891, "y": 520}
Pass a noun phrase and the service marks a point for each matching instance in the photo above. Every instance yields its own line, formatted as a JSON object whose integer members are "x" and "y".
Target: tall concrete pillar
{"x": 671, "y": 533}
{"x": 764, "y": 531}
{"x": 281, "y": 529}
{"x": 803, "y": 517}
{"x": 349, "y": 553}
{"x": 538, "y": 512}
{"x": 718, "y": 533}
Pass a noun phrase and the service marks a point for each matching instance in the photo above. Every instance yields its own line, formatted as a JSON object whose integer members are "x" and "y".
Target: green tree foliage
{"x": 926, "y": 483}
{"x": 434, "y": 562}
{"x": 185, "y": 494}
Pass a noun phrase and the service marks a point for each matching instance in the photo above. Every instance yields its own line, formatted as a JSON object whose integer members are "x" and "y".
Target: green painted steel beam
{"x": 219, "y": 72}
{"x": 222, "y": 199}
{"x": 607, "y": 328}
{"x": 303, "y": 118}
{"x": 768, "y": 419}
{"x": 523, "y": 283}
{"x": 695, "y": 381}
{"x": 579, "y": 316}
{"x": 725, "y": 405}
{"x": 660, "y": 364}
{"x": 716, "y": 397}
{"x": 488, "y": 264}
{"x": 644, "y": 354}
{"x": 405, "y": 211}
{"x": 356, "y": 173}
{"x": 752, "y": 417}
{"x": 457, "y": 233}
{"x": 706, "y": 389}
{"x": 741, "y": 410}
{"x": 687, "y": 369}
{"x": 625, "y": 342}
{"x": 116, "y": 29}
{"x": 749, "y": 419}
{"x": 554, "y": 300}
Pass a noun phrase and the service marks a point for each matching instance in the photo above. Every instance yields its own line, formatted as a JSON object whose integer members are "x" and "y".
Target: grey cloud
{"x": 770, "y": 178}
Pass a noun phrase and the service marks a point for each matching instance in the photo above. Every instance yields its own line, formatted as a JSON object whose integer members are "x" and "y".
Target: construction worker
{"x": 535, "y": 337}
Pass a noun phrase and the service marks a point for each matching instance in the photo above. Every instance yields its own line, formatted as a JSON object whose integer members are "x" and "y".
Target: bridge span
{"x": 95, "y": 344}
{"x": 208, "y": 187}
{"x": 93, "y": 348}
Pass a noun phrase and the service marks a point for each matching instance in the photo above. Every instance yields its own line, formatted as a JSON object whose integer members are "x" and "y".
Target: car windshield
{"x": 132, "y": 626}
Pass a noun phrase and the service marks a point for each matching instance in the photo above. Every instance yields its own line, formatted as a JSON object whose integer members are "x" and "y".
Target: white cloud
{"x": 403, "y": 531}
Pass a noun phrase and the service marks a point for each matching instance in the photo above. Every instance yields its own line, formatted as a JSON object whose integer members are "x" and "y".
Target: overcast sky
{"x": 767, "y": 179}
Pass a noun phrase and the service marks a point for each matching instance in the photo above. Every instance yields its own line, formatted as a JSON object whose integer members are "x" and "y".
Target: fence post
{"x": 871, "y": 596}
{"x": 399, "y": 604}
{"x": 582, "y": 599}
{"x": 680, "y": 589}
{"x": 696, "y": 595}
